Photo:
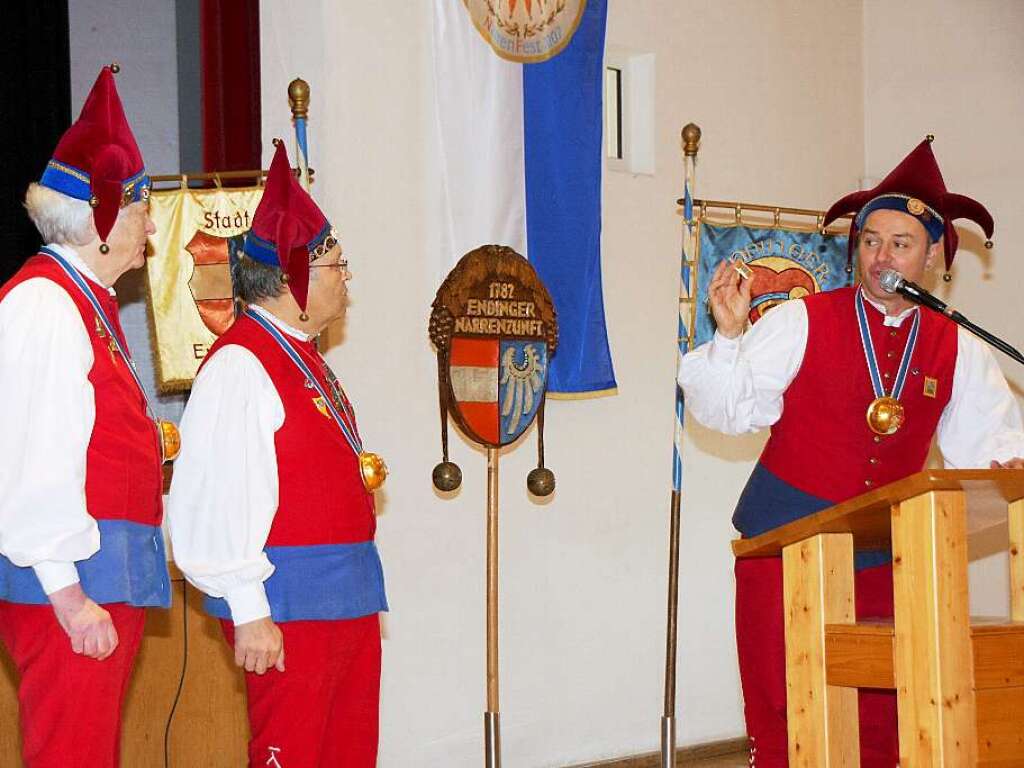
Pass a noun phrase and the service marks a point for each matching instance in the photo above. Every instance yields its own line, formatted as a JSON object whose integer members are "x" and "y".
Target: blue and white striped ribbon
{"x": 683, "y": 334}
{"x": 87, "y": 291}
{"x": 869, "y": 352}
{"x": 302, "y": 151}
{"x": 349, "y": 432}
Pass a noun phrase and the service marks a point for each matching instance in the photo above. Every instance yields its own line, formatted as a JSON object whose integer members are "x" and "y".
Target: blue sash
{"x": 320, "y": 582}
{"x": 130, "y": 567}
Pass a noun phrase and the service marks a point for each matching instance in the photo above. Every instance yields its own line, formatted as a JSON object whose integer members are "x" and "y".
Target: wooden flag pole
{"x": 687, "y": 279}
{"x": 492, "y": 730}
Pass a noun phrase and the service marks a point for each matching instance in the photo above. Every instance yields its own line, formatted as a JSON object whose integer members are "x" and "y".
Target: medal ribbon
{"x": 86, "y": 289}
{"x": 348, "y": 431}
{"x": 872, "y": 361}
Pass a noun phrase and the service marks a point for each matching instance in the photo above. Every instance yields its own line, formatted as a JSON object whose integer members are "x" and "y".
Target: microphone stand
{"x": 977, "y": 330}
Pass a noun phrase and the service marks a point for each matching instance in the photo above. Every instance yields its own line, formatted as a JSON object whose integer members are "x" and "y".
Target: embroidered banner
{"x": 198, "y": 236}
{"x": 788, "y": 263}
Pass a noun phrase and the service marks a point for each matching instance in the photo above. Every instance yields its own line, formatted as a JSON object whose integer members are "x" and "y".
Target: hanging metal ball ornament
{"x": 447, "y": 476}
{"x": 541, "y": 481}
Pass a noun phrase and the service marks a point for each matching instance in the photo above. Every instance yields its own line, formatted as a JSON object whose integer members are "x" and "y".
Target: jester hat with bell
{"x": 97, "y": 159}
{"x": 915, "y": 187}
{"x": 288, "y": 229}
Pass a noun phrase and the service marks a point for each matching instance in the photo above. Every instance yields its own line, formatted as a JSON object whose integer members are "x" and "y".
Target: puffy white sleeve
{"x": 736, "y": 385}
{"x": 49, "y": 412}
{"x": 224, "y": 493}
{"x": 982, "y": 420}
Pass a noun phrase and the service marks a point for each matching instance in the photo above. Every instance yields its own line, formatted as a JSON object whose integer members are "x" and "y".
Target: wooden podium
{"x": 959, "y": 683}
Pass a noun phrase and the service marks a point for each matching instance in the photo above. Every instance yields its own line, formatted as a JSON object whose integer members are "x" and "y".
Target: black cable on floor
{"x": 181, "y": 680}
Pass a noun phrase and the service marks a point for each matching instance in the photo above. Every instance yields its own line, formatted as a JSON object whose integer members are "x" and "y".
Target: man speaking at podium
{"x": 854, "y": 383}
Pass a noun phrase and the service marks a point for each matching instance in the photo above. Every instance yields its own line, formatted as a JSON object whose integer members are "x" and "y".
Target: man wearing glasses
{"x": 271, "y": 508}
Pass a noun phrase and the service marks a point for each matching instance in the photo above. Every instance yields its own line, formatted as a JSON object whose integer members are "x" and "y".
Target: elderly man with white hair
{"x": 81, "y": 552}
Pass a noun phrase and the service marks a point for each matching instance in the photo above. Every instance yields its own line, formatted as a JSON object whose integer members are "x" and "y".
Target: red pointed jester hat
{"x": 915, "y": 187}
{"x": 288, "y": 229}
{"x": 97, "y": 158}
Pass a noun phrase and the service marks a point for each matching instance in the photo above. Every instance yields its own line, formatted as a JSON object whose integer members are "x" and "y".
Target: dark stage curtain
{"x": 230, "y": 54}
{"x": 36, "y": 110}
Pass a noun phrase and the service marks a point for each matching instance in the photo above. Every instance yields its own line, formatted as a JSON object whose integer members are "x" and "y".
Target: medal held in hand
{"x": 886, "y": 413}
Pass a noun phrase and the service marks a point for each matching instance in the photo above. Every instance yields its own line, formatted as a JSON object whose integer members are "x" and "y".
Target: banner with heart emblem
{"x": 787, "y": 263}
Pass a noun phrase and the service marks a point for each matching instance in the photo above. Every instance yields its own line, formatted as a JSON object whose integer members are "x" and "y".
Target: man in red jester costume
{"x": 271, "y": 509}
{"x": 853, "y": 383}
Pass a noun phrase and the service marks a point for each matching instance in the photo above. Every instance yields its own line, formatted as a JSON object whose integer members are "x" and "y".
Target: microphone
{"x": 893, "y": 282}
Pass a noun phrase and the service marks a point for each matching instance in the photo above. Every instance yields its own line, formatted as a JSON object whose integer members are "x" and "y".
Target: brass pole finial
{"x": 298, "y": 98}
{"x": 691, "y": 139}
{"x": 115, "y": 67}
{"x": 275, "y": 142}
{"x": 930, "y": 138}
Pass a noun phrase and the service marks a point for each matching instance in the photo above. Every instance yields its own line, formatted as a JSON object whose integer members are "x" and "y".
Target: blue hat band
{"x": 912, "y": 206}
{"x": 67, "y": 180}
{"x": 74, "y": 182}
{"x": 260, "y": 250}
{"x": 265, "y": 251}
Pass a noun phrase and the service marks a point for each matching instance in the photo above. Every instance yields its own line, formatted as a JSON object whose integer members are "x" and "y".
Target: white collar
{"x": 892, "y": 321}
{"x": 72, "y": 257}
{"x": 266, "y": 314}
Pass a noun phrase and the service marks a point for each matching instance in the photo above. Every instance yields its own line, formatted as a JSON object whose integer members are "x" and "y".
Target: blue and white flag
{"x": 519, "y": 87}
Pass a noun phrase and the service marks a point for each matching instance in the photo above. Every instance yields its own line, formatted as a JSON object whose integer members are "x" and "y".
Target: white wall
{"x": 956, "y": 69}
{"x": 776, "y": 86}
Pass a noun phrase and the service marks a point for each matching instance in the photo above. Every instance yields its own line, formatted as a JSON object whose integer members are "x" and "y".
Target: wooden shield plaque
{"x": 495, "y": 329}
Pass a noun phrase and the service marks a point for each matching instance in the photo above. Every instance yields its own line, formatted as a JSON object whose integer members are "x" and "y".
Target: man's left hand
{"x": 1015, "y": 463}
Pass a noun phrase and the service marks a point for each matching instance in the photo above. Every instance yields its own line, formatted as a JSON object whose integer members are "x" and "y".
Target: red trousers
{"x": 70, "y": 705}
{"x": 762, "y": 655}
{"x": 323, "y": 709}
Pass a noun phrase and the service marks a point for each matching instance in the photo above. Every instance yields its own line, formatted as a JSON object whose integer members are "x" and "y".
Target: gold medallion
{"x": 373, "y": 469}
{"x": 170, "y": 440}
{"x": 885, "y": 415}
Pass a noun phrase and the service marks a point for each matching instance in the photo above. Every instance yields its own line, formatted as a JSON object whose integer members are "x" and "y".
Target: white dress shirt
{"x": 224, "y": 494}
{"x": 737, "y": 385}
{"x": 45, "y": 360}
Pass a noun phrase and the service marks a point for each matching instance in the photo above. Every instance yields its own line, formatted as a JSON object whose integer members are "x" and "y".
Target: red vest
{"x": 321, "y": 497}
{"x": 123, "y": 477}
{"x": 821, "y": 450}
{"x": 822, "y": 444}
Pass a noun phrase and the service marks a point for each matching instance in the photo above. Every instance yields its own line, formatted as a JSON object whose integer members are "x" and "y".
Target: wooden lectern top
{"x": 867, "y": 516}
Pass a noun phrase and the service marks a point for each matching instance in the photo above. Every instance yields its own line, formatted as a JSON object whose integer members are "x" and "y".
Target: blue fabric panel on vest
{"x": 320, "y": 582}
{"x": 768, "y": 502}
{"x": 130, "y": 567}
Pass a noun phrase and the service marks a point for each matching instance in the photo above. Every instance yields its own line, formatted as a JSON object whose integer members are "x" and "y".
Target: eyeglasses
{"x": 341, "y": 265}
